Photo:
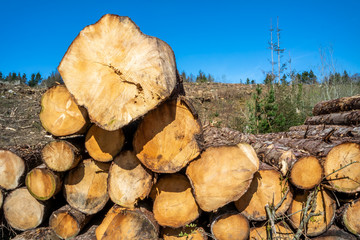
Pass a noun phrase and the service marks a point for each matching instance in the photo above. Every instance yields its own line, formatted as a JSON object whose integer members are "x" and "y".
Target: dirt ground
{"x": 218, "y": 104}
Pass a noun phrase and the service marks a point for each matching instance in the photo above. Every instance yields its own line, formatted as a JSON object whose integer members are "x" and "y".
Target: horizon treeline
{"x": 35, "y": 79}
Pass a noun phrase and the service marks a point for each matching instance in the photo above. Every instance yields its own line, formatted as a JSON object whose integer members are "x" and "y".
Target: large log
{"x": 342, "y": 118}
{"x": 323, "y": 214}
{"x": 342, "y": 167}
{"x": 230, "y": 226}
{"x": 60, "y": 115}
{"x": 126, "y": 73}
{"x": 103, "y": 145}
{"x": 122, "y": 223}
{"x": 337, "y": 105}
{"x": 335, "y": 233}
{"x": 11, "y": 171}
{"x": 222, "y": 175}
{"x": 60, "y": 156}
{"x": 22, "y": 211}
{"x": 42, "y": 183}
{"x": 128, "y": 180}
{"x": 1, "y": 199}
{"x": 67, "y": 222}
{"x": 85, "y": 187}
{"x": 43, "y": 233}
{"x": 174, "y": 204}
{"x": 268, "y": 187}
{"x": 167, "y": 138}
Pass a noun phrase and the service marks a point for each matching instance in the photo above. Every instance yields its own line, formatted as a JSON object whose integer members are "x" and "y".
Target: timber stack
{"x": 132, "y": 161}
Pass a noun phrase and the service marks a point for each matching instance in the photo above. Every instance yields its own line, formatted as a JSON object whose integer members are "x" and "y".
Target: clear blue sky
{"x": 225, "y": 38}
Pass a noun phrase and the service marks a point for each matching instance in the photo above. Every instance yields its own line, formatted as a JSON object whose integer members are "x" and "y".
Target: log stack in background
{"x": 131, "y": 160}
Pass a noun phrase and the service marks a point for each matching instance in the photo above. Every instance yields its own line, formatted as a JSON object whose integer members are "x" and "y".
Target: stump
{"x": 128, "y": 180}
{"x": 11, "y": 171}
{"x": 60, "y": 115}
{"x": 174, "y": 204}
{"x": 166, "y": 139}
{"x": 42, "y": 183}
{"x": 104, "y": 145}
{"x": 222, "y": 175}
{"x": 126, "y": 73}
{"x": 85, "y": 187}
{"x": 60, "y": 156}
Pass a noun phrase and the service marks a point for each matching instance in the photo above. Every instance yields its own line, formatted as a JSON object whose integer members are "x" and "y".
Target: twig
{"x": 271, "y": 219}
{"x": 340, "y": 169}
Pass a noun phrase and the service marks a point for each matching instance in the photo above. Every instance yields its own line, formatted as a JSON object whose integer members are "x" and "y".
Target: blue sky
{"x": 225, "y": 38}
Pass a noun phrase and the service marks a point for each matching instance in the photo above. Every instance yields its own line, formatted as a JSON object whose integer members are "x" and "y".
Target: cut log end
{"x": 67, "y": 222}
{"x": 123, "y": 83}
{"x": 86, "y": 186}
{"x": 166, "y": 139}
{"x": 184, "y": 233}
{"x": 43, "y": 183}
{"x": 306, "y": 173}
{"x": 11, "y": 170}
{"x": 268, "y": 187}
{"x": 122, "y": 223}
{"x": 282, "y": 232}
{"x": 60, "y": 156}
{"x": 128, "y": 180}
{"x": 103, "y": 145}
{"x": 230, "y": 226}
{"x": 22, "y": 211}
{"x": 233, "y": 168}
{"x": 174, "y": 204}
{"x": 43, "y": 233}
{"x": 60, "y": 115}
{"x": 324, "y": 212}
{"x": 350, "y": 218}
{"x": 342, "y": 167}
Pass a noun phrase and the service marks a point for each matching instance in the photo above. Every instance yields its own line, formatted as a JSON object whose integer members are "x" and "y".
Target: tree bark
{"x": 127, "y": 73}
{"x": 167, "y": 138}
{"x": 42, "y": 183}
{"x": 341, "y": 118}
{"x": 233, "y": 166}
{"x": 230, "y": 226}
{"x": 67, "y": 222}
{"x": 122, "y": 223}
{"x": 103, "y": 145}
{"x": 89, "y": 234}
{"x": 11, "y": 171}
{"x": 85, "y": 187}
{"x": 348, "y": 216}
{"x": 61, "y": 156}
{"x": 321, "y": 131}
{"x": 324, "y": 212}
{"x": 44, "y": 233}
{"x": 60, "y": 115}
{"x": 306, "y": 173}
{"x": 128, "y": 180}
{"x": 22, "y": 211}
{"x": 174, "y": 204}
{"x": 1, "y": 199}
{"x": 342, "y": 167}
{"x": 268, "y": 187}
{"x": 337, "y": 105}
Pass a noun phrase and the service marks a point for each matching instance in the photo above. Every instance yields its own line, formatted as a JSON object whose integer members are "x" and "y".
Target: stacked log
{"x": 131, "y": 153}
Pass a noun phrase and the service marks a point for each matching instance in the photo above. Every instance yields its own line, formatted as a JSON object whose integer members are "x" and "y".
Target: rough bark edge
{"x": 45, "y": 233}
{"x": 341, "y": 118}
{"x": 337, "y": 105}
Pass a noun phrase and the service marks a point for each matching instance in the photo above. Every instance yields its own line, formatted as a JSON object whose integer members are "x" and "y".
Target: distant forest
{"x": 35, "y": 79}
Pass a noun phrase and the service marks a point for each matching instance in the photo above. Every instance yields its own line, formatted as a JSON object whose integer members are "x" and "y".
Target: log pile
{"x": 132, "y": 161}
